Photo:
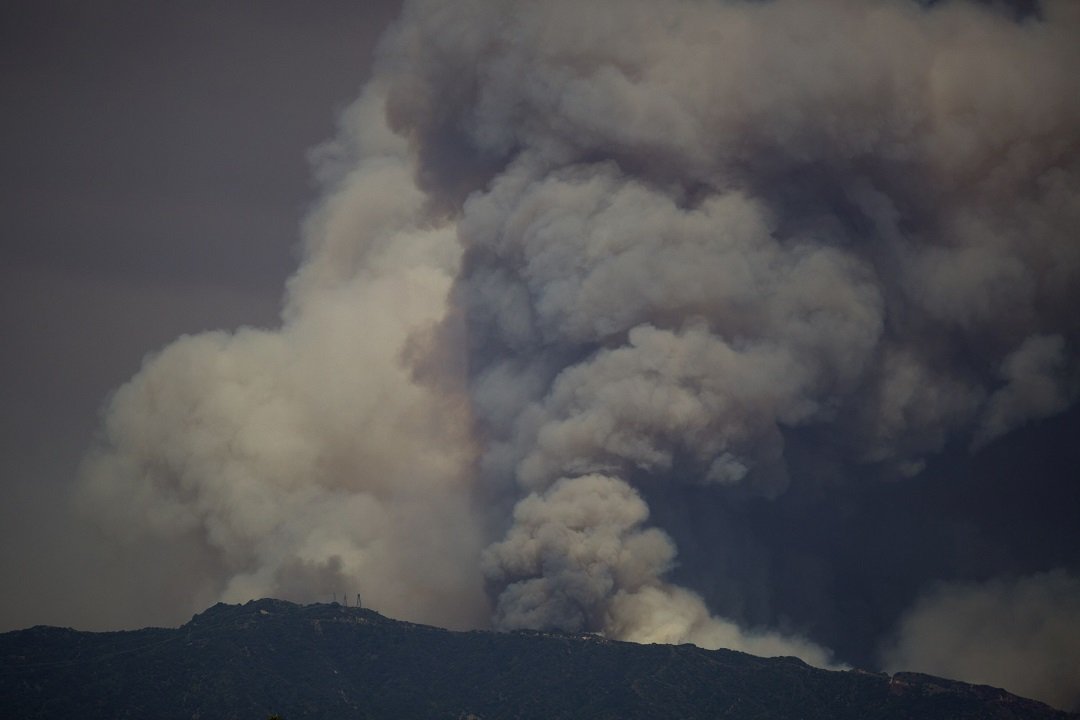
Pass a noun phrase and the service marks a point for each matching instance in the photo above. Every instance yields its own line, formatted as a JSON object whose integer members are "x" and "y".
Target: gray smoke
{"x": 1021, "y": 633}
{"x": 573, "y": 250}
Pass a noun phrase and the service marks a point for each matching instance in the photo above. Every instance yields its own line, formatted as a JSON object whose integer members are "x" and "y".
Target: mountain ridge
{"x": 330, "y": 661}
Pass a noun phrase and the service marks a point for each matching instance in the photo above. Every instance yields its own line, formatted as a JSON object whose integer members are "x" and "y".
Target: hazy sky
{"x": 742, "y": 324}
{"x": 155, "y": 176}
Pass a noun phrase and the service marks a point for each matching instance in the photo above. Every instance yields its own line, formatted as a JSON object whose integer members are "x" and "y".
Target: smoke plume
{"x": 574, "y": 254}
{"x": 1021, "y": 633}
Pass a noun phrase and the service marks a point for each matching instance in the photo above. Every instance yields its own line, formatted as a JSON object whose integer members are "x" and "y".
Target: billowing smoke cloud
{"x": 573, "y": 251}
{"x": 1023, "y": 634}
{"x": 305, "y": 461}
{"x": 1037, "y": 384}
{"x": 577, "y": 557}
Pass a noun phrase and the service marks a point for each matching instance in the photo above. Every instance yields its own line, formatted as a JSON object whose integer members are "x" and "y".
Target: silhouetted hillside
{"x": 328, "y": 661}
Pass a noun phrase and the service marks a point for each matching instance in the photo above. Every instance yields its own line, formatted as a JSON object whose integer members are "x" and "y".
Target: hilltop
{"x": 328, "y": 661}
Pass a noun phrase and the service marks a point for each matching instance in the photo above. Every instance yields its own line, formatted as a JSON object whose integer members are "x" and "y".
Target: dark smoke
{"x": 580, "y": 259}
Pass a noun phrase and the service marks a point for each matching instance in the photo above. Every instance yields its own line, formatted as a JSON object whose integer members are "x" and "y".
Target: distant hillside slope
{"x": 327, "y": 661}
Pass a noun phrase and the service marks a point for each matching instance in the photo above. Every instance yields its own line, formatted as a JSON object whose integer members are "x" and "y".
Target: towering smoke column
{"x": 576, "y": 253}
{"x": 306, "y": 461}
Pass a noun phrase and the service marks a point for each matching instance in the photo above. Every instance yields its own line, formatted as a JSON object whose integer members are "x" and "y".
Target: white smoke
{"x": 306, "y": 461}
{"x": 570, "y": 247}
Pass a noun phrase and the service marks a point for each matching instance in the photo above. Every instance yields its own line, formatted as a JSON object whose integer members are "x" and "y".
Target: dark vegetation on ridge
{"x": 327, "y": 661}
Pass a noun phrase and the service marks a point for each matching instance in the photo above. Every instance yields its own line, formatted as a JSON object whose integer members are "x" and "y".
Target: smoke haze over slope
{"x": 592, "y": 283}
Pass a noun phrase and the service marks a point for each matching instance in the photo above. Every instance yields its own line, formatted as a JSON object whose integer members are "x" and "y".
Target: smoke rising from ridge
{"x": 1022, "y": 633}
{"x": 570, "y": 250}
{"x": 304, "y": 459}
